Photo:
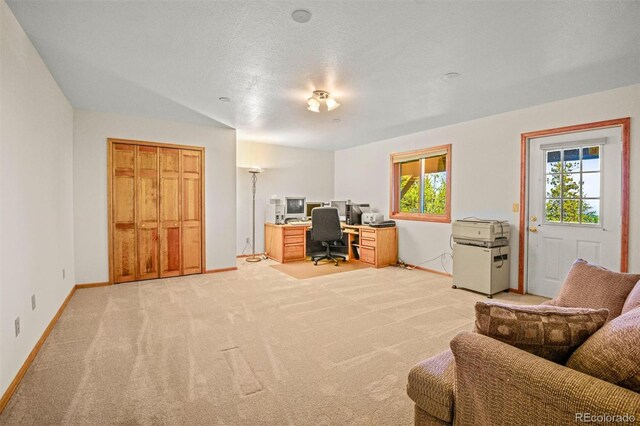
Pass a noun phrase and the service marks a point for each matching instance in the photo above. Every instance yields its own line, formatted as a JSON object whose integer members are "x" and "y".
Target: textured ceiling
{"x": 384, "y": 61}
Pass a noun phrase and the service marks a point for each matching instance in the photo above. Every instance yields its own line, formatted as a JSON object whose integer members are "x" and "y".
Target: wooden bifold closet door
{"x": 155, "y": 210}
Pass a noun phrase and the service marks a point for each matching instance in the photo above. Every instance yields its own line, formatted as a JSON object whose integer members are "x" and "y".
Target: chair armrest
{"x": 499, "y": 384}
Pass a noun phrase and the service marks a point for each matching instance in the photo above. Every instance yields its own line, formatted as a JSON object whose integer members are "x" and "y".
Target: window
{"x": 421, "y": 185}
{"x": 572, "y": 193}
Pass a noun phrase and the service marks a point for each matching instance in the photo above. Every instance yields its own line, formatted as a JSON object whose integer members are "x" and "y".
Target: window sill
{"x": 421, "y": 217}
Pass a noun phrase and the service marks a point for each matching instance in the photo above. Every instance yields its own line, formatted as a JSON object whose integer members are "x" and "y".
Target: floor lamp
{"x": 254, "y": 179}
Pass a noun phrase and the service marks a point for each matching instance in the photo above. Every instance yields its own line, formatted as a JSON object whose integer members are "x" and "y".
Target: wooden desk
{"x": 377, "y": 247}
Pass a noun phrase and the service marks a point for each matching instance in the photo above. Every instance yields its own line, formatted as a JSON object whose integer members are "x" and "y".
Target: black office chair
{"x": 325, "y": 228}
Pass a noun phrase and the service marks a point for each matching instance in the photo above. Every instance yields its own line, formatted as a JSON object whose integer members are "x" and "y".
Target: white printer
{"x": 485, "y": 233}
{"x": 368, "y": 216}
{"x": 371, "y": 217}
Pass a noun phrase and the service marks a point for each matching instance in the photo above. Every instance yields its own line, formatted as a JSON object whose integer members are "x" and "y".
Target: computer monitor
{"x": 312, "y": 205}
{"x": 342, "y": 208}
{"x": 294, "y": 208}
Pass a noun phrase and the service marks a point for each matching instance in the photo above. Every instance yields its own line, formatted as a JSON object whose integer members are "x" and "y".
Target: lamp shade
{"x": 314, "y": 104}
{"x": 331, "y": 103}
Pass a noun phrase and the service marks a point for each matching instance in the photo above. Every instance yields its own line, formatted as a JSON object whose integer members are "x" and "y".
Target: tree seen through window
{"x": 431, "y": 189}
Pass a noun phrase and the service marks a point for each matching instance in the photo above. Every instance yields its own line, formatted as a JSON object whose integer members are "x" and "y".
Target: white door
{"x": 573, "y": 204}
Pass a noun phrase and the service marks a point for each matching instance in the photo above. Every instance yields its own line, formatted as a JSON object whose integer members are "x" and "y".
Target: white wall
{"x": 485, "y": 169}
{"x": 91, "y": 130}
{"x": 288, "y": 172}
{"x": 36, "y": 224}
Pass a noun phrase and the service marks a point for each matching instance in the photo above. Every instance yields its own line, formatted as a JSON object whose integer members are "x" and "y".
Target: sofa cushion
{"x": 431, "y": 385}
{"x": 591, "y": 286}
{"x": 633, "y": 299}
{"x": 611, "y": 354}
{"x": 550, "y": 332}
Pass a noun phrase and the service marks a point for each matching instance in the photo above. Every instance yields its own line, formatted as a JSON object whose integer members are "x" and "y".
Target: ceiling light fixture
{"x": 318, "y": 98}
{"x": 224, "y": 99}
{"x": 451, "y": 75}
{"x": 301, "y": 16}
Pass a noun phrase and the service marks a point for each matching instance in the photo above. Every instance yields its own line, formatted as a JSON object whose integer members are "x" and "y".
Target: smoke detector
{"x": 301, "y": 16}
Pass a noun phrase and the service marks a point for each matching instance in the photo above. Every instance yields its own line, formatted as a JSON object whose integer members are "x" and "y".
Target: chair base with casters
{"x": 329, "y": 255}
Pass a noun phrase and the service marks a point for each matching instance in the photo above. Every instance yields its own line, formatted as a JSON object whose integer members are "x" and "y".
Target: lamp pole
{"x": 254, "y": 180}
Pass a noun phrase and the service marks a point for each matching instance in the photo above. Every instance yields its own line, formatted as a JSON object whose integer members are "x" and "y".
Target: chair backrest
{"x": 325, "y": 224}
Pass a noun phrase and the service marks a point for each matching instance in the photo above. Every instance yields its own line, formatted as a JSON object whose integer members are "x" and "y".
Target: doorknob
{"x": 533, "y": 229}
{"x": 534, "y": 218}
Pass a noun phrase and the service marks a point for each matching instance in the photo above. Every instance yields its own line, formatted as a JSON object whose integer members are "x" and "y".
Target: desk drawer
{"x": 368, "y": 237}
{"x": 367, "y": 255}
{"x": 294, "y": 231}
{"x": 294, "y": 252}
{"x": 293, "y": 239}
{"x": 368, "y": 232}
{"x": 368, "y": 240}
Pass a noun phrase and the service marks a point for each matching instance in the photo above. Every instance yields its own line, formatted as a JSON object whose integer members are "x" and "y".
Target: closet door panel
{"x": 147, "y": 229}
{"x": 191, "y": 212}
{"x": 124, "y": 193}
{"x": 123, "y": 212}
{"x": 170, "y": 220}
{"x": 124, "y": 247}
{"x": 191, "y": 249}
{"x": 148, "y": 253}
{"x": 170, "y": 198}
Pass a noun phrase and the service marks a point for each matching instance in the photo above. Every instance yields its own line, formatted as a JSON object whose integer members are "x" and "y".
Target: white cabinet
{"x": 481, "y": 269}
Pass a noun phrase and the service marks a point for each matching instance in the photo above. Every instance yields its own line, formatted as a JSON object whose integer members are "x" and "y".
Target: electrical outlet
{"x": 33, "y": 302}
{"x": 248, "y": 240}
{"x": 64, "y": 274}
{"x": 17, "y": 326}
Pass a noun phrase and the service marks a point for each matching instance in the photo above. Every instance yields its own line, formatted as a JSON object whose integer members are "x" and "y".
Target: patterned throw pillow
{"x": 611, "y": 354}
{"x": 549, "y": 332}
{"x": 591, "y": 286}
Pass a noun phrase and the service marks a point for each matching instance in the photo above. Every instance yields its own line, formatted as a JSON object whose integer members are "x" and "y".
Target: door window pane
{"x": 571, "y": 160}
{"x": 553, "y": 161}
{"x": 591, "y": 159}
{"x": 553, "y": 211}
{"x": 410, "y": 187}
{"x": 591, "y": 185}
{"x": 571, "y": 211}
{"x": 571, "y": 185}
{"x": 554, "y": 186}
{"x": 591, "y": 211}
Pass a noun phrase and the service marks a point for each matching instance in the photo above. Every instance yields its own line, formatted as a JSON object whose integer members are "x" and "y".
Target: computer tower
{"x": 354, "y": 214}
{"x": 274, "y": 213}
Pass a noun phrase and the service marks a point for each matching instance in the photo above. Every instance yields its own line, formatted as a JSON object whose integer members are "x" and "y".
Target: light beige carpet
{"x": 249, "y": 347}
{"x": 306, "y": 269}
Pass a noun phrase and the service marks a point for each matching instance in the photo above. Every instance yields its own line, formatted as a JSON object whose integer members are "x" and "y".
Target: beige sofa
{"x": 482, "y": 381}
